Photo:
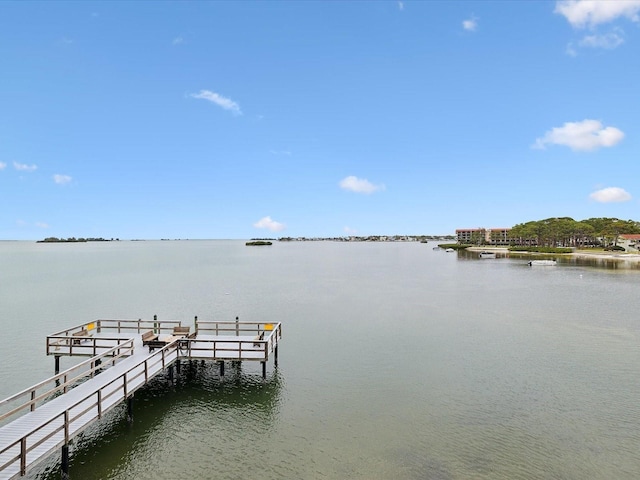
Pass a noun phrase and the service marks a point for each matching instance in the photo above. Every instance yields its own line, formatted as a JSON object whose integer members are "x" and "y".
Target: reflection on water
{"x": 616, "y": 263}
{"x": 609, "y": 263}
{"x": 186, "y": 420}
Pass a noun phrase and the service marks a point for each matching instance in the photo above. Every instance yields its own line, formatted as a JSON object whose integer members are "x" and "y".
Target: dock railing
{"x": 265, "y": 337}
{"x": 120, "y": 326}
{"x": 59, "y": 429}
{"x": 90, "y": 338}
{"x": 138, "y": 326}
{"x": 37, "y": 394}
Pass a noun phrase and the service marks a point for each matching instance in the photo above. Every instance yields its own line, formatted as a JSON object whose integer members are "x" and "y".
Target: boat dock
{"x": 123, "y": 356}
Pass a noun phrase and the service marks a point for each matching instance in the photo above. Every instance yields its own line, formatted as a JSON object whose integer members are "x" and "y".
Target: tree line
{"x": 73, "y": 240}
{"x": 567, "y": 232}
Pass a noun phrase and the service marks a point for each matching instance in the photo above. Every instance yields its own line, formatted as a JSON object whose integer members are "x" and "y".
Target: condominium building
{"x": 483, "y": 236}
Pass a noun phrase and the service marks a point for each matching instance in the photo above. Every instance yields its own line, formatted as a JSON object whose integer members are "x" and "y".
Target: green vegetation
{"x": 566, "y": 232}
{"x": 258, "y": 242}
{"x": 73, "y": 240}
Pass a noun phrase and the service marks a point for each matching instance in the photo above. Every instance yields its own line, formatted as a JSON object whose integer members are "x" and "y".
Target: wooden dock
{"x": 37, "y": 421}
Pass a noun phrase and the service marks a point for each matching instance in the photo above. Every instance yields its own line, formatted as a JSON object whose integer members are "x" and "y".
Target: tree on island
{"x": 72, "y": 240}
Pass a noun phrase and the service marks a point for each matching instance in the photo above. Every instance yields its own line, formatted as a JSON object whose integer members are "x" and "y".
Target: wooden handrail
{"x": 159, "y": 357}
{"x": 113, "y": 324}
{"x": 114, "y": 353}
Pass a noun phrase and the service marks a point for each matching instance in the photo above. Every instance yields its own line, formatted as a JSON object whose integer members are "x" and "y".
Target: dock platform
{"x": 123, "y": 356}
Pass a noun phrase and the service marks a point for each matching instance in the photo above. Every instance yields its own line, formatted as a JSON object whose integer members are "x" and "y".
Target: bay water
{"x": 397, "y": 361}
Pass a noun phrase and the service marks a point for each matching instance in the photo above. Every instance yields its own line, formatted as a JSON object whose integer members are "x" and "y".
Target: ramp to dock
{"x": 37, "y": 434}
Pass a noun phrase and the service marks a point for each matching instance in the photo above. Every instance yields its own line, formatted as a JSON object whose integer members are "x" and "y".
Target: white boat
{"x": 449, "y": 250}
{"x": 542, "y": 263}
{"x": 487, "y": 255}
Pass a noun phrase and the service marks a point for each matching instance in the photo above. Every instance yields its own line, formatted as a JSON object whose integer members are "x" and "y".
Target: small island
{"x": 258, "y": 243}
{"x": 73, "y": 240}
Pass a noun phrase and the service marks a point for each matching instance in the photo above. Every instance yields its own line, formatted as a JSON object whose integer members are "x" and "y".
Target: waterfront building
{"x": 483, "y": 236}
{"x": 630, "y": 242}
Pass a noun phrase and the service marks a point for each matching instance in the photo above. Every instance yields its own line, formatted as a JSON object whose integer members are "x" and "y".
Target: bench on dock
{"x": 258, "y": 338}
{"x": 82, "y": 333}
{"x": 181, "y": 331}
{"x": 151, "y": 340}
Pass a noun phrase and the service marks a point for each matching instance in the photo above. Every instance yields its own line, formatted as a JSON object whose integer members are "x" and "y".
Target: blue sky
{"x": 268, "y": 119}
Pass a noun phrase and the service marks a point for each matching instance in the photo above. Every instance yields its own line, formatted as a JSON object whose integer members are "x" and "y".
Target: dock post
{"x": 222, "y": 368}
{"x": 178, "y": 366}
{"x": 275, "y": 355}
{"x": 171, "y": 373}
{"x": 195, "y": 323}
{"x": 237, "y": 327}
{"x": 264, "y": 370}
{"x": 155, "y": 324}
{"x": 64, "y": 473}
{"x": 130, "y": 409}
{"x": 56, "y": 367}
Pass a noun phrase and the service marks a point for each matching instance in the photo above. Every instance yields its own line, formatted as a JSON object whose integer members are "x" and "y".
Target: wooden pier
{"x": 37, "y": 421}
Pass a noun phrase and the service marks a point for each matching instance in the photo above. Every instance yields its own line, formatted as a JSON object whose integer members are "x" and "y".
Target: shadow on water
{"x": 615, "y": 263}
{"x": 473, "y": 255}
{"x": 608, "y": 263}
{"x": 165, "y": 411}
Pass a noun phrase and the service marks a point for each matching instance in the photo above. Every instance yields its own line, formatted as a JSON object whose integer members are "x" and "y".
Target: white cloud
{"x": 3, "y": 165}
{"x": 42, "y": 225}
{"x": 583, "y": 136}
{"x": 609, "y": 41}
{"x": 61, "y": 179}
{"x": 24, "y": 167}
{"x": 219, "y": 100}
{"x": 269, "y": 224}
{"x": 571, "y": 51}
{"x": 178, "y": 41}
{"x": 471, "y": 25}
{"x": 350, "y": 231}
{"x": 359, "y": 185}
{"x": 589, "y": 13}
{"x": 610, "y": 195}
{"x": 401, "y": 6}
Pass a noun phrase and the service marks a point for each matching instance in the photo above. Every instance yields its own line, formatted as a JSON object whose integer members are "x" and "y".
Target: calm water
{"x": 397, "y": 361}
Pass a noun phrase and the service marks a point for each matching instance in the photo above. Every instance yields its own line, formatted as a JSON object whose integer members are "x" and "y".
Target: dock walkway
{"x": 118, "y": 365}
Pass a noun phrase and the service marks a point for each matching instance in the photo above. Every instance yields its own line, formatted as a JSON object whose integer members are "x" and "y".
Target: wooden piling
{"x": 64, "y": 469}
{"x": 130, "y": 409}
